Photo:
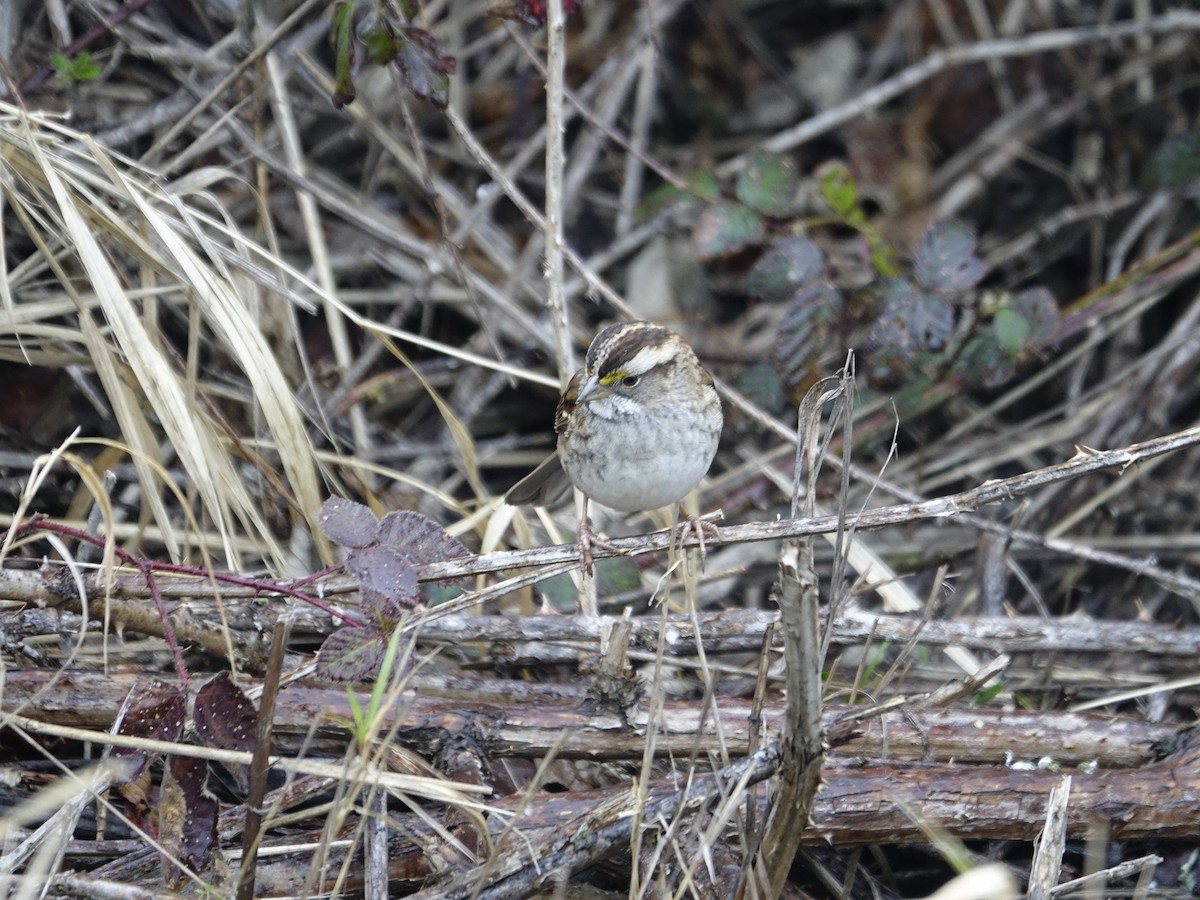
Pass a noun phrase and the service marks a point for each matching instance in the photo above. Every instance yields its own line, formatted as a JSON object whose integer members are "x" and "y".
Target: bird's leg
{"x": 588, "y": 539}
{"x": 585, "y": 538}
{"x": 702, "y": 528}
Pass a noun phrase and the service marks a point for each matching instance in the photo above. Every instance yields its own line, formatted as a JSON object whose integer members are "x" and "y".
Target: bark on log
{"x": 509, "y": 718}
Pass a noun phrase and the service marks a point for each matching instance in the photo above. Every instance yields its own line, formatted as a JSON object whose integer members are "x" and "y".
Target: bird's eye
{"x": 631, "y": 380}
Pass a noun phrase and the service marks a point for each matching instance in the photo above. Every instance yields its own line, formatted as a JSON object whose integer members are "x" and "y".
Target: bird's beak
{"x": 587, "y": 389}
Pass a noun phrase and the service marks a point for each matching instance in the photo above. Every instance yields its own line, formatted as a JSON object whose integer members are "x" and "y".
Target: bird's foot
{"x": 587, "y": 540}
{"x": 700, "y": 526}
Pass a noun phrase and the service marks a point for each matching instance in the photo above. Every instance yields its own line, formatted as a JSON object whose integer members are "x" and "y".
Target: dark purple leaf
{"x": 154, "y": 710}
{"x": 386, "y": 571}
{"x": 352, "y": 654}
{"x": 225, "y": 717}
{"x": 424, "y": 64}
{"x": 911, "y": 321}
{"x": 347, "y": 523}
{"x": 187, "y": 817}
{"x": 419, "y": 538}
{"x": 946, "y": 259}
{"x": 381, "y": 611}
{"x": 791, "y": 263}
{"x": 804, "y": 329}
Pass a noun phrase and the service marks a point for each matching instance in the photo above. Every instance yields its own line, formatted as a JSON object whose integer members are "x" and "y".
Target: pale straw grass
{"x": 100, "y": 220}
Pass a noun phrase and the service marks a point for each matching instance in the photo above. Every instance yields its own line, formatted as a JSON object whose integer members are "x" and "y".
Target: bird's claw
{"x": 702, "y": 528}
{"x": 587, "y": 540}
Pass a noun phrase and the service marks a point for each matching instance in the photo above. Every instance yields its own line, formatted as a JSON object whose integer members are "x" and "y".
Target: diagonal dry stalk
{"x": 959, "y": 505}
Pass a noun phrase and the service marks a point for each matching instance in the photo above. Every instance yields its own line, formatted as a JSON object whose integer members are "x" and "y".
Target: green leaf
{"x": 1176, "y": 162}
{"x": 85, "y": 69}
{"x": 704, "y": 185}
{"x": 61, "y": 63}
{"x": 761, "y": 384}
{"x": 724, "y": 229}
{"x": 768, "y": 184}
{"x": 1023, "y": 322}
{"x": 615, "y": 576}
{"x": 989, "y": 693}
{"x": 342, "y": 38}
{"x": 1038, "y": 307}
{"x": 618, "y": 575}
{"x": 883, "y": 257}
{"x": 700, "y": 185}
{"x": 391, "y": 661}
{"x": 839, "y": 189}
{"x": 1011, "y": 331}
{"x": 435, "y": 594}
{"x": 983, "y": 362}
{"x": 79, "y": 70}
{"x": 560, "y": 591}
{"x": 658, "y": 200}
{"x": 360, "y": 722}
{"x": 380, "y": 46}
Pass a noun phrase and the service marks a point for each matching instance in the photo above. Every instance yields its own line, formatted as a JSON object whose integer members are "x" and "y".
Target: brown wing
{"x": 541, "y": 487}
{"x": 566, "y": 403}
{"x": 545, "y": 484}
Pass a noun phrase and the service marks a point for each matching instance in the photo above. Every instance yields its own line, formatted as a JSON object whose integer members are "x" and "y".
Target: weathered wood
{"x": 1145, "y": 648}
{"x": 511, "y": 718}
{"x": 872, "y": 804}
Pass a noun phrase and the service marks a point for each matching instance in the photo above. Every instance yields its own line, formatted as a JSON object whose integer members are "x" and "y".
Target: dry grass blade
{"x": 230, "y": 317}
{"x": 436, "y": 789}
{"x": 52, "y": 799}
{"x": 76, "y": 189}
{"x": 988, "y": 882}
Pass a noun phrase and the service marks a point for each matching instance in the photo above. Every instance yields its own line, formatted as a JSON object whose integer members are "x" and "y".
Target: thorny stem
{"x": 148, "y": 570}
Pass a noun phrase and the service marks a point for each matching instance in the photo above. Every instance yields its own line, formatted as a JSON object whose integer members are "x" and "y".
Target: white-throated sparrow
{"x": 637, "y": 426}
